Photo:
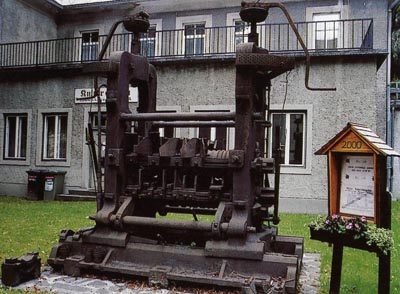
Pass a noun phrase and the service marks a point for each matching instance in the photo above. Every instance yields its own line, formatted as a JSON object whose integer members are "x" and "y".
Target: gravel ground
{"x": 60, "y": 284}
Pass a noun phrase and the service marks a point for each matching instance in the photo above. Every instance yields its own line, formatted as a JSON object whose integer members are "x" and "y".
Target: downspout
{"x": 389, "y": 121}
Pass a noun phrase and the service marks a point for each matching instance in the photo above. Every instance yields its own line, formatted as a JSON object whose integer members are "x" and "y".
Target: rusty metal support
{"x": 206, "y": 116}
{"x": 147, "y": 176}
{"x": 194, "y": 124}
{"x": 266, "y": 6}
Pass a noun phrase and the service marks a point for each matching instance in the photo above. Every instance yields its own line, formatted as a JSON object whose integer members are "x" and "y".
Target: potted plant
{"x": 352, "y": 232}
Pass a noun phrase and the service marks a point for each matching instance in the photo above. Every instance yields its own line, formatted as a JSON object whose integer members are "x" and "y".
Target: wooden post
{"x": 384, "y": 260}
{"x": 336, "y": 271}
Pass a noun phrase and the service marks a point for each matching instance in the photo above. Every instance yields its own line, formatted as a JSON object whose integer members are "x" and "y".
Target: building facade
{"x": 44, "y": 47}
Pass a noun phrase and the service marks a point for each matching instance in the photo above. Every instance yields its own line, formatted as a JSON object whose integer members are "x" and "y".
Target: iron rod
{"x": 199, "y": 210}
{"x": 167, "y": 223}
{"x": 204, "y": 116}
{"x": 193, "y": 124}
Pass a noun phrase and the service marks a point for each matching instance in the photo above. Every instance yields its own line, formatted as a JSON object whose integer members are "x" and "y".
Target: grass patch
{"x": 34, "y": 226}
{"x": 27, "y": 226}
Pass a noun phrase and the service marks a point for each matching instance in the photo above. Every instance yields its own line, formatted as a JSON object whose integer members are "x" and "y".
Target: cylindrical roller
{"x": 204, "y": 116}
{"x": 166, "y": 223}
{"x": 194, "y": 124}
{"x": 218, "y": 154}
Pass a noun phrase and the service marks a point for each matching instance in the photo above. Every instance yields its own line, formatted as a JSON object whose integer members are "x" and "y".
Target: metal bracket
{"x": 236, "y": 158}
{"x": 114, "y": 157}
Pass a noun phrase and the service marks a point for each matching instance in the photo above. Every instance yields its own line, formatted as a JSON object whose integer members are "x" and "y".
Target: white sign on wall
{"x": 81, "y": 95}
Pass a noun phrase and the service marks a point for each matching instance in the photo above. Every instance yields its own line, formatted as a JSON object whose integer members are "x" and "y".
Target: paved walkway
{"x": 59, "y": 284}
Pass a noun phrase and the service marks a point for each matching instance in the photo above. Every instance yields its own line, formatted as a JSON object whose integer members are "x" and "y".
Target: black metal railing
{"x": 395, "y": 91}
{"x": 356, "y": 34}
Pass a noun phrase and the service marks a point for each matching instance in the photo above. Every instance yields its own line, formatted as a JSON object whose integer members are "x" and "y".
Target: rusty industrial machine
{"x": 148, "y": 176}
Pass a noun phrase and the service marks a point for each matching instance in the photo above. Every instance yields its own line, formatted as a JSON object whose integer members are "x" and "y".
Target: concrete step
{"x": 85, "y": 192}
{"x": 75, "y": 197}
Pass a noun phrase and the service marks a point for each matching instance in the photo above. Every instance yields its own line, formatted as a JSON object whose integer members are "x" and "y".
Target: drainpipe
{"x": 389, "y": 121}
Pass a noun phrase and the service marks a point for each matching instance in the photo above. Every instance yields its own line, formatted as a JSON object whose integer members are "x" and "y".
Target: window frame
{"x": 343, "y": 12}
{"x": 40, "y": 159}
{"x": 244, "y": 34}
{"x": 195, "y": 36}
{"x": 90, "y": 45}
{"x": 307, "y": 110}
{"x": 17, "y": 136}
{"x": 14, "y": 112}
{"x": 147, "y": 38}
{"x": 157, "y": 24}
{"x": 181, "y": 22}
{"x": 231, "y": 18}
{"x": 288, "y": 130}
{"x": 57, "y": 135}
{"x": 336, "y": 31}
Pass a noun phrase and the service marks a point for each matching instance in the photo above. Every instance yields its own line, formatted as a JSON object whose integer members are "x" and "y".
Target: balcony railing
{"x": 356, "y": 34}
{"x": 395, "y": 91}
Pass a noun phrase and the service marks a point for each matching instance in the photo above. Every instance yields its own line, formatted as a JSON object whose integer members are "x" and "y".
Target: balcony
{"x": 395, "y": 95}
{"x": 195, "y": 42}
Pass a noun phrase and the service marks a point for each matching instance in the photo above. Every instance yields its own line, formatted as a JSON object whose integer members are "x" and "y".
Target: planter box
{"x": 342, "y": 239}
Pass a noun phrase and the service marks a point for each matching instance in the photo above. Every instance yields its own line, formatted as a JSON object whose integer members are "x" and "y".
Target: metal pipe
{"x": 204, "y": 116}
{"x": 198, "y": 210}
{"x": 296, "y": 32}
{"x": 193, "y": 124}
{"x": 389, "y": 122}
{"x": 167, "y": 223}
{"x": 108, "y": 40}
{"x": 99, "y": 198}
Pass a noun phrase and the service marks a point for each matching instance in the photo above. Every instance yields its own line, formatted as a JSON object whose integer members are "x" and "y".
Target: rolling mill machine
{"x": 148, "y": 176}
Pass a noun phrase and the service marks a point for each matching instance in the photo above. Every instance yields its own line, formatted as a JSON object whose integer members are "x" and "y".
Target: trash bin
{"x": 35, "y": 184}
{"x": 53, "y": 184}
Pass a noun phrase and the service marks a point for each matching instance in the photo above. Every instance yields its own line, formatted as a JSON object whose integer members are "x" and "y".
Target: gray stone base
{"x": 60, "y": 284}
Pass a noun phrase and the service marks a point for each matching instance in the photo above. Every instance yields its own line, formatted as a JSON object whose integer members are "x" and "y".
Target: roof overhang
{"x": 49, "y": 6}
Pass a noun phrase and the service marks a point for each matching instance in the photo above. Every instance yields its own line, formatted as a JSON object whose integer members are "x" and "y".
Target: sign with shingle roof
{"x": 357, "y": 173}
{"x": 357, "y": 138}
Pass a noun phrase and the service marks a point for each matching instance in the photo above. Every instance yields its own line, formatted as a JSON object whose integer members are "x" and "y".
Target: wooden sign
{"x": 357, "y": 172}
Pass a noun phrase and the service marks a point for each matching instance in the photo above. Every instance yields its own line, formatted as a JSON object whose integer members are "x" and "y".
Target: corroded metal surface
{"x": 147, "y": 175}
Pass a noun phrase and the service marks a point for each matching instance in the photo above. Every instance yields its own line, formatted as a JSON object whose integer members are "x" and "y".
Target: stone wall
{"x": 210, "y": 84}
{"x": 21, "y": 22}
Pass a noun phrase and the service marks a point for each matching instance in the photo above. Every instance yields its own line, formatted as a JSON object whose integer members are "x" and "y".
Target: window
{"x": 294, "y": 125}
{"x": 148, "y": 42}
{"x": 288, "y": 133}
{"x": 90, "y": 45}
{"x": 326, "y": 30}
{"x": 242, "y": 31}
{"x": 237, "y": 31}
{"x": 94, "y": 120}
{"x": 55, "y": 136}
{"x": 194, "y": 38}
{"x": 15, "y": 137}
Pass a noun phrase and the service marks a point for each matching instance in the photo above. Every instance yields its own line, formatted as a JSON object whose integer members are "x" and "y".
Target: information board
{"x": 357, "y": 186}
{"x": 81, "y": 95}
